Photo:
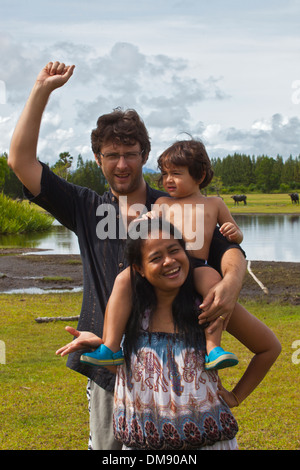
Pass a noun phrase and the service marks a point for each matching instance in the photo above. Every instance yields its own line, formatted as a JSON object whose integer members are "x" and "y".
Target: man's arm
{"x": 23, "y": 149}
{"x": 222, "y": 297}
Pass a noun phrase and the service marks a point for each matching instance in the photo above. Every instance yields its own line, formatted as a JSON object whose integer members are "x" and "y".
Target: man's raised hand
{"x": 54, "y": 75}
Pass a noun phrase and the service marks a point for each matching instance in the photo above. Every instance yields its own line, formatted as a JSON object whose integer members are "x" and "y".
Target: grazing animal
{"x": 239, "y": 198}
{"x": 294, "y": 197}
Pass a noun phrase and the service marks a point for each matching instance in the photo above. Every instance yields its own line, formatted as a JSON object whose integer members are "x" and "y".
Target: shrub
{"x": 20, "y": 216}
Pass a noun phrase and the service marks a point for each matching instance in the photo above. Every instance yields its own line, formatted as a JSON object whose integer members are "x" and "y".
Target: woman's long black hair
{"x": 185, "y": 305}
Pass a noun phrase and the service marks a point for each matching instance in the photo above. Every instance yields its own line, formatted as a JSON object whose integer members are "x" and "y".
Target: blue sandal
{"x": 220, "y": 359}
{"x": 103, "y": 356}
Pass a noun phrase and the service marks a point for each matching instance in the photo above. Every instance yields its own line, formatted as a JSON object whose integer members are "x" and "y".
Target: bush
{"x": 20, "y": 216}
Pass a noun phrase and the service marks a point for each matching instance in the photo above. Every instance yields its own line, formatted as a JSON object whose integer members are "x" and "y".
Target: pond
{"x": 266, "y": 238}
{"x": 271, "y": 237}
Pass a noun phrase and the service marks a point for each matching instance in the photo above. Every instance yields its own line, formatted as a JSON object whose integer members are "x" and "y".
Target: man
{"x": 121, "y": 147}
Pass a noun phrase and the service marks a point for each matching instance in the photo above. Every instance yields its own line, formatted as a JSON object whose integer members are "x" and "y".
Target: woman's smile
{"x": 172, "y": 272}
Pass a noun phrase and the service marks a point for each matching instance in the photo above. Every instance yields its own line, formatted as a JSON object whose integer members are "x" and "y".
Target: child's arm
{"x": 260, "y": 340}
{"x": 228, "y": 226}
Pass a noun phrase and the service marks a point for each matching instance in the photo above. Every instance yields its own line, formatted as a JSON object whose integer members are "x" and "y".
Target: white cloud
{"x": 226, "y": 72}
{"x": 278, "y": 135}
{"x": 51, "y": 119}
{"x": 4, "y": 120}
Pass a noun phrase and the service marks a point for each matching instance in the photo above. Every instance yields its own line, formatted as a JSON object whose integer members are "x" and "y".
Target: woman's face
{"x": 164, "y": 263}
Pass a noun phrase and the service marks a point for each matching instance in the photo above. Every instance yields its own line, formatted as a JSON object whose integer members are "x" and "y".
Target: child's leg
{"x": 117, "y": 311}
{"x": 204, "y": 279}
{"x": 216, "y": 358}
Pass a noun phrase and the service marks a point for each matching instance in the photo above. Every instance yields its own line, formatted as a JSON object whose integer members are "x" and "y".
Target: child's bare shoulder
{"x": 164, "y": 200}
{"x": 213, "y": 200}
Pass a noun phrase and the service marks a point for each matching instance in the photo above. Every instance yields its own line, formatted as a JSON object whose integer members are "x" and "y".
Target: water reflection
{"x": 271, "y": 237}
{"x": 58, "y": 240}
{"x": 266, "y": 237}
{"x": 36, "y": 290}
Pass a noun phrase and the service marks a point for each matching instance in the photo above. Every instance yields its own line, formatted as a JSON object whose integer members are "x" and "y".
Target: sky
{"x": 226, "y": 72}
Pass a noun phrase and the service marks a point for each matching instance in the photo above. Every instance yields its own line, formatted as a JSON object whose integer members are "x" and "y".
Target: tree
{"x": 215, "y": 185}
{"x": 4, "y": 169}
{"x": 89, "y": 175}
{"x": 9, "y": 183}
{"x": 152, "y": 179}
{"x": 63, "y": 165}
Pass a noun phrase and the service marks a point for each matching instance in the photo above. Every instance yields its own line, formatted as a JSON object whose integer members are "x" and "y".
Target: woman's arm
{"x": 260, "y": 340}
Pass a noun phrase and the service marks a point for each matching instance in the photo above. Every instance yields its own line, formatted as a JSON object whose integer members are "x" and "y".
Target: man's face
{"x": 122, "y": 167}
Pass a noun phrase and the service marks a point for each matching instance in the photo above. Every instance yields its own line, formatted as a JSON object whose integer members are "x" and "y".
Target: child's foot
{"x": 220, "y": 359}
{"x": 103, "y": 356}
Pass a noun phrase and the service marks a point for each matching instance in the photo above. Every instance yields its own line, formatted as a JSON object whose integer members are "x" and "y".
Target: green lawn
{"x": 43, "y": 404}
{"x": 269, "y": 418}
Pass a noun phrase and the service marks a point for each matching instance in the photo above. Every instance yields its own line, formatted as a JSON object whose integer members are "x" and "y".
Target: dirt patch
{"x": 281, "y": 279}
{"x": 23, "y": 269}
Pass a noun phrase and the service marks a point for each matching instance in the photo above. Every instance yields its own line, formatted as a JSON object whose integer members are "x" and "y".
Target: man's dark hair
{"x": 120, "y": 127}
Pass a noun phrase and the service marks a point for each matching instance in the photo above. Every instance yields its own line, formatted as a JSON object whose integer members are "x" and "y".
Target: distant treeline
{"x": 236, "y": 173}
{"x": 87, "y": 174}
{"x": 242, "y": 173}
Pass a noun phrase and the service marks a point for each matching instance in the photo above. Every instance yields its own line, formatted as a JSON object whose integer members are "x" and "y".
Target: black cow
{"x": 294, "y": 197}
{"x": 239, "y": 198}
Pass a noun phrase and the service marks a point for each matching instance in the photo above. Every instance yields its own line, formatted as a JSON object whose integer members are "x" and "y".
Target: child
{"x": 185, "y": 169}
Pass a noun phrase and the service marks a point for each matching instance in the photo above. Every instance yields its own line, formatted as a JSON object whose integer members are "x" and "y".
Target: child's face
{"x": 178, "y": 182}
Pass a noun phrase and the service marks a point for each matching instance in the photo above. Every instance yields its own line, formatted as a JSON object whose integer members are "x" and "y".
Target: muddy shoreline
{"x": 22, "y": 269}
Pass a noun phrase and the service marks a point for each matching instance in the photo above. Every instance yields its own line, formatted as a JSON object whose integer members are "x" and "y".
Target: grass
{"x": 43, "y": 404}
{"x": 269, "y": 418}
{"x": 263, "y": 203}
{"x": 20, "y": 217}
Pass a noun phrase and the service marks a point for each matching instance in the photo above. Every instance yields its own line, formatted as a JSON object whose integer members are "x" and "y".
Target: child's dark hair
{"x": 185, "y": 305}
{"x": 190, "y": 153}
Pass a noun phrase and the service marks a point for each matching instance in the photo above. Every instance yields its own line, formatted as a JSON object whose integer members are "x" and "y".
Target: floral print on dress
{"x": 167, "y": 400}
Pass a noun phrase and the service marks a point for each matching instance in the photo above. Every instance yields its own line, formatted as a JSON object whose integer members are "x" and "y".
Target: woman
{"x": 164, "y": 397}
